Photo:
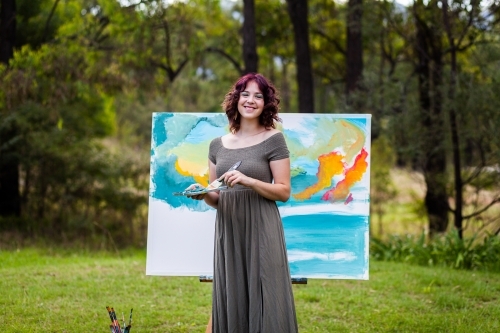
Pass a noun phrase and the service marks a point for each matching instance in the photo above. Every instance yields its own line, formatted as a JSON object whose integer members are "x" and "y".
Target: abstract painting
{"x": 326, "y": 219}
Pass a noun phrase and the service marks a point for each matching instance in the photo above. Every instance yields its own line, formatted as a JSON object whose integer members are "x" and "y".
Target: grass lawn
{"x": 44, "y": 290}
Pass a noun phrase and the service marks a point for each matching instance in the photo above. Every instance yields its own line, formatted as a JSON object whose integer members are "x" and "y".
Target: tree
{"x": 429, "y": 69}
{"x": 276, "y": 51}
{"x": 224, "y": 37}
{"x": 447, "y": 39}
{"x": 328, "y": 53}
{"x": 250, "y": 57}
{"x": 298, "y": 12}
{"x": 7, "y": 30}
{"x": 463, "y": 26}
{"x": 9, "y": 166}
{"x": 175, "y": 51}
{"x": 58, "y": 97}
{"x": 354, "y": 56}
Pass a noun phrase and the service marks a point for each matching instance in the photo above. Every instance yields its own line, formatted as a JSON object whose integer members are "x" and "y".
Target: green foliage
{"x": 382, "y": 190}
{"x": 35, "y": 26}
{"x": 486, "y": 179}
{"x": 447, "y": 250}
{"x": 72, "y": 184}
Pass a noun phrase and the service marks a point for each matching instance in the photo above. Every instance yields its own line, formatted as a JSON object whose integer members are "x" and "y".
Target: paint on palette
{"x": 330, "y": 164}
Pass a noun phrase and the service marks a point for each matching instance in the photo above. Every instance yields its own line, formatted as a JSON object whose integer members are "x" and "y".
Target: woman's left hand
{"x": 234, "y": 177}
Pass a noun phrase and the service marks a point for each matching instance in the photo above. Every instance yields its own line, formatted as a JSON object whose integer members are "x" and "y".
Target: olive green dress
{"x": 252, "y": 290}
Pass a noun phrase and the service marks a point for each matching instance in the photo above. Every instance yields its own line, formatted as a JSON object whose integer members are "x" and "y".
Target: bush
{"x": 446, "y": 250}
{"x": 57, "y": 120}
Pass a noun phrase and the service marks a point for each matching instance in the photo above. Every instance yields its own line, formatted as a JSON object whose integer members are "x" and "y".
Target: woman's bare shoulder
{"x": 270, "y": 132}
{"x": 227, "y": 139}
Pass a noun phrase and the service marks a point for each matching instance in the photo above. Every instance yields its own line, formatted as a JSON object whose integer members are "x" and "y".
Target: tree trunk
{"x": 9, "y": 171}
{"x": 297, "y": 9}
{"x": 250, "y": 57}
{"x": 455, "y": 138}
{"x": 168, "y": 67}
{"x": 429, "y": 69}
{"x": 354, "y": 56}
{"x": 285, "y": 88}
{"x": 7, "y": 30}
{"x": 457, "y": 174}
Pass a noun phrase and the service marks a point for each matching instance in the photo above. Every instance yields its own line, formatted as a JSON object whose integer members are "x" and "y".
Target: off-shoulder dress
{"x": 252, "y": 290}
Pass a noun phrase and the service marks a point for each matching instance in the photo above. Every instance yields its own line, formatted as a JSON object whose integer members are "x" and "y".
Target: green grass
{"x": 43, "y": 290}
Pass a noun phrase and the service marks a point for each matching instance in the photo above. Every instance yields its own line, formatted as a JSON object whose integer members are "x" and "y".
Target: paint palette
{"x": 192, "y": 193}
{"x": 216, "y": 185}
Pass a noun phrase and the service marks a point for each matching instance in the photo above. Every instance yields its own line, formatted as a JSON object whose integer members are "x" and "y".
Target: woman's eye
{"x": 259, "y": 96}
{"x": 245, "y": 94}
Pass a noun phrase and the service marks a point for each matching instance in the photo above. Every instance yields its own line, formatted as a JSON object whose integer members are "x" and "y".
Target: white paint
{"x": 294, "y": 256}
{"x": 353, "y": 208}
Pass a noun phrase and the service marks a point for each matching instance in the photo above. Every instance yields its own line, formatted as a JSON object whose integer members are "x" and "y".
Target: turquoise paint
{"x": 320, "y": 234}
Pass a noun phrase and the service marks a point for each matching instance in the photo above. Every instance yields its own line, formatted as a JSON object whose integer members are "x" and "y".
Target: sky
{"x": 405, "y": 2}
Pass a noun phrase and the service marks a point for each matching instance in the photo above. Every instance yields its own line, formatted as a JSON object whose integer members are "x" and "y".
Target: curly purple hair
{"x": 271, "y": 101}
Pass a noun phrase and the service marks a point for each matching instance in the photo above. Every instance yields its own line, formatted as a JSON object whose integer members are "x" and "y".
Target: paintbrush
{"x": 129, "y": 326}
{"x": 112, "y": 326}
{"x": 115, "y": 321}
{"x": 219, "y": 182}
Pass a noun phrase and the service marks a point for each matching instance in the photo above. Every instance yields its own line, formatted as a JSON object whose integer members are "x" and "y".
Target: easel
{"x": 207, "y": 278}
{"x": 295, "y": 280}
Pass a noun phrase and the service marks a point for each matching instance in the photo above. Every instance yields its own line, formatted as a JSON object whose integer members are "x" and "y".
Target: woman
{"x": 252, "y": 290}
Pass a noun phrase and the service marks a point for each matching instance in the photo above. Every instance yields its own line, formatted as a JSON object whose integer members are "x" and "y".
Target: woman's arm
{"x": 277, "y": 191}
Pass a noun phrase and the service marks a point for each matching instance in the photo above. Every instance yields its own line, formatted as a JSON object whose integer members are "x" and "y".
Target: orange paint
{"x": 329, "y": 165}
{"x": 352, "y": 175}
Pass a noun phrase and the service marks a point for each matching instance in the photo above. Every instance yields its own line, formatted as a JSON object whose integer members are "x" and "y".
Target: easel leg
{"x": 209, "y": 326}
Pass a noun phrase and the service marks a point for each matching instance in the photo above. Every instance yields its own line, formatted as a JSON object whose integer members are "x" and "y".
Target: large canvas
{"x": 326, "y": 219}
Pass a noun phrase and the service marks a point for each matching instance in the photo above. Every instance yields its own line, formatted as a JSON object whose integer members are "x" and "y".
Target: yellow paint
{"x": 188, "y": 168}
{"x": 192, "y": 161}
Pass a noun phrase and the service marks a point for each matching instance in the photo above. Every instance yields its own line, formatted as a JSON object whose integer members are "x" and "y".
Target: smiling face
{"x": 251, "y": 101}
{"x": 243, "y": 102}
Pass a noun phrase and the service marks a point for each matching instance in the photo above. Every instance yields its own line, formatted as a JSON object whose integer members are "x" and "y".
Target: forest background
{"x": 81, "y": 78}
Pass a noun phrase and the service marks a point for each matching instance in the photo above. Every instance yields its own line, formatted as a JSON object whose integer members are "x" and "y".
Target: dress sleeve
{"x": 215, "y": 145}
{"x": 277, "y": 148}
